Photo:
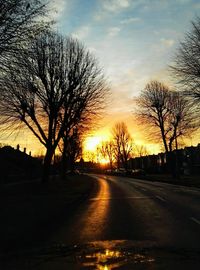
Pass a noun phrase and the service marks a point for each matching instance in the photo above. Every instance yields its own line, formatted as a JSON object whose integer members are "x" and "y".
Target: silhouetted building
{"x": 187, "y": 160}
{"x": 17, "y": 166}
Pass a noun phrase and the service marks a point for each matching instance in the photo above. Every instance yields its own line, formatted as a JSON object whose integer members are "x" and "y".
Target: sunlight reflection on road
{"x": 113, "y": 258}
{"x": 94, "y": 219}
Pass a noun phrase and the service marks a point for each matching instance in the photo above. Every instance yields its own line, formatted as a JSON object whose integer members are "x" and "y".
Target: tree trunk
{"x": 171, "y": 163}
{"x": 111, "y": 165}
{"x": 177, "y": 160}
{"x": 47, "y": 164}
{"x": 64, "y": 159}
{"x": 173, "y": 159}
{"x": 63, "y": 166}
{"x": 125, "y": 163}
{"x": 72, "y": 164}
{"x": 164, "y": 140}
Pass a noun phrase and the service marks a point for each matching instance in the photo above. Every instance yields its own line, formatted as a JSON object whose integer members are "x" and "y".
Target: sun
{"x": 92, "y": 146}
{"x": 91, "y": 143}
{"x": 103, "y": 161}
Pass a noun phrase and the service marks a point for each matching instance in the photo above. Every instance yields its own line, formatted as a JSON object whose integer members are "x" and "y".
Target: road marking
{"x": 160, "y": 198}
{"x": 195, "y": 220}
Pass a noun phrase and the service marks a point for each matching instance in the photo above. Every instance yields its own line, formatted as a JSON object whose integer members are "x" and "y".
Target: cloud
{"x": 115, "y": 5}
{"x": 167, "y": 42}
{"x": 81, "y": 32}
{"x": 130, "y": 20}
{"x": 183, "y": 1}
{"x": 196, "y": 6}
{"x": 108, "y": 7}
{"x": 113, "y": 31}
{"x": 57, "y": 7}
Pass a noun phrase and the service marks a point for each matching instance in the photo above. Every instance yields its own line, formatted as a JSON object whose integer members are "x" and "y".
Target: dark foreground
{"x": 31, "y": 211}
{"x": 123, "y": 224}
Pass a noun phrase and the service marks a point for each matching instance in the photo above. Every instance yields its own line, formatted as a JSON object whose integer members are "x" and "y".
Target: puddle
{"x": 109, "y": 255}
{"x": 102, "y": 255}
{"x": 113, "y": 259}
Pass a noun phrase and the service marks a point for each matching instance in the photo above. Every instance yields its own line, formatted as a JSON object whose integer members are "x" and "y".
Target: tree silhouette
{"x": 186, "y": 67}
{"x": 123, "y": 144}
{"x": 71, "y": 149}
{"x": 182, "y": 119}
{"x": 107, "y": 150}
{"x": 153, "y": 108}
{"x": 167, "y": 112}
{"x": 140, "y": 151}
{"x": 19, "y": 22}
{"x": 49, "y": 88}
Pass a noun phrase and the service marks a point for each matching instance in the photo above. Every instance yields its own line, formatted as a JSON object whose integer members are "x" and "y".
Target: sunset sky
{"x": 134, "y": 41}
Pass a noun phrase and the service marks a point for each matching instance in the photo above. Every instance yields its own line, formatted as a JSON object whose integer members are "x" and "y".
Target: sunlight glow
{"x": 103, "y": 161}
{"x": 127, "y": 68}
{"x": 114, "y": 259}
{"x": 91, "y": 143}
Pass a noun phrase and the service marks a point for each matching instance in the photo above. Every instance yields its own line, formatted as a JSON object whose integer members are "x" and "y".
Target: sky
{"x": 134, "y": 42}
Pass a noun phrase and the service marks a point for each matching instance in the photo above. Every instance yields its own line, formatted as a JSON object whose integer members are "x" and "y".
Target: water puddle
{"x": 103, "y": 255}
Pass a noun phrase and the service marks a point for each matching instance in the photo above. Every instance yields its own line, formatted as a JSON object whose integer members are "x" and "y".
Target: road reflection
{"x": 94, "y": 220}
{"x": 109, "y": 259}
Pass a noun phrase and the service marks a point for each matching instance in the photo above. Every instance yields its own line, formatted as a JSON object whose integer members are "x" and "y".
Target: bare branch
{"x": 19, "y": 22}
{"x": 167, "y": 112}
{"x": 186, "y": 67}
{"x": 53, "y": 86}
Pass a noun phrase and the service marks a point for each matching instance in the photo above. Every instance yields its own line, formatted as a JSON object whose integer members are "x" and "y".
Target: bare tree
{"x": 140, "y": 151}
{"x": 19, "y": 21}
{"x": 167, "y": 112}
{"x": 153, "y": 108}
{"x": 73, "y": 150}
{"x": 123, "y": 144}
{"x": 182, "y": 119}
{"x": 88, "y": 93}
{"x": 48, "y": 87}
{"x": 91, "y": 156}
{"x": 107, "y": 150}
{"x": 186, "y": 67}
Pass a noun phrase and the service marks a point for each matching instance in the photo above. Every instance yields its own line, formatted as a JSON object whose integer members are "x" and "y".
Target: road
{"x": 124, "y": 208}
{"x": 130, "y": 224}
{"x": 123, "y": 224}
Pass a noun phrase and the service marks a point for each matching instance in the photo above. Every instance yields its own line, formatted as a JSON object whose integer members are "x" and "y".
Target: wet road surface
{"x": 123, "y": 224}
{"x": 123, "y": 208}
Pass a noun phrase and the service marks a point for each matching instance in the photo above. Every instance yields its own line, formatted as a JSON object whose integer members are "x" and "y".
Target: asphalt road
{"x": 126, "y": 209}
{"x": 123, "y": 224}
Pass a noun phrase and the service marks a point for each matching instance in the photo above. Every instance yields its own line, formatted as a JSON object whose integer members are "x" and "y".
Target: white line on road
{"x": 195, "y": 220}
{"x": 160, "y": 198}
